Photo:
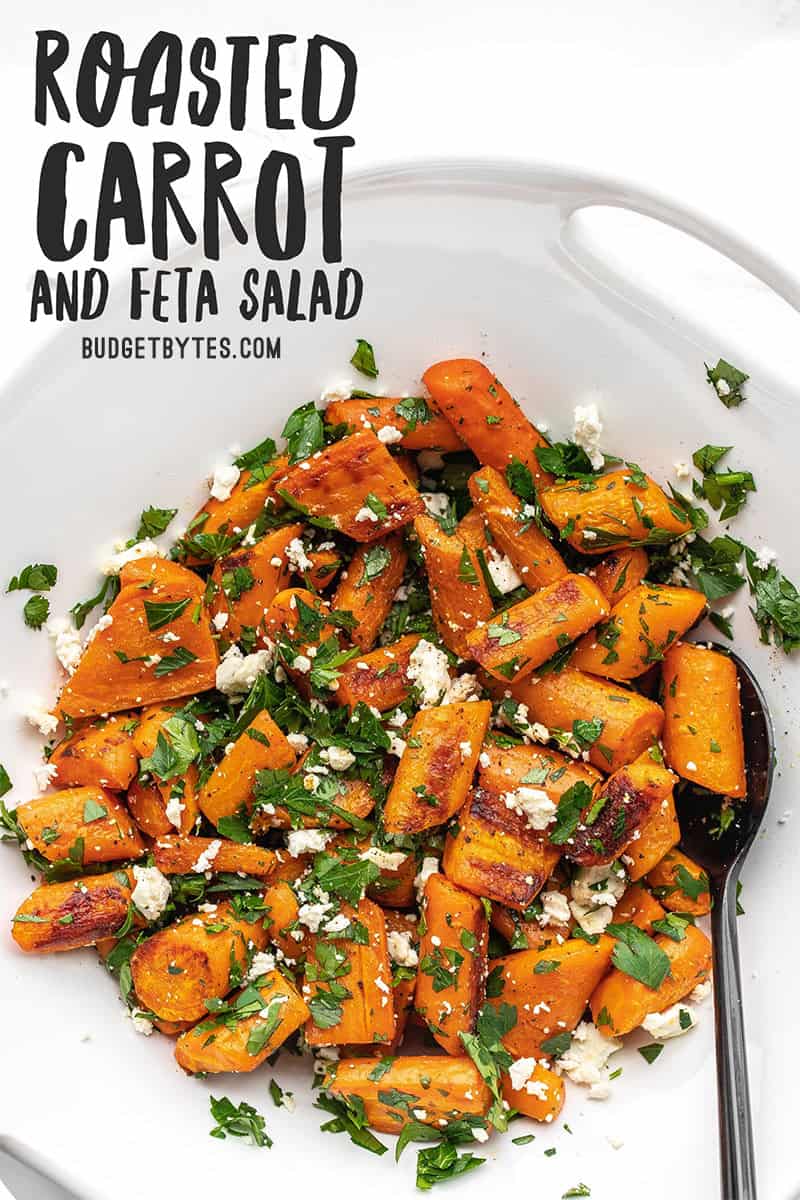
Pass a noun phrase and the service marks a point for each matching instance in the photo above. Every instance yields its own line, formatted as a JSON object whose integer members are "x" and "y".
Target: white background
{"x": 697, "y": 98}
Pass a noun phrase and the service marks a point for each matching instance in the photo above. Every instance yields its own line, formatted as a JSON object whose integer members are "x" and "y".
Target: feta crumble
{"x": 586, "y": 1059}
{"x": 151, "y": 893}
{"x": 555, "y": 909}
{"x": 533, "y": 804}
{"x": 66, "y": 642}
{"x": 237, "y": 672}
{"x": 765, "y": 558}
{"x": 37, "y": 715}
{"x": 296, "y": 555}
{"x": 669, "y": 1023}
{"x": 389, "y": 434}
{"x": 385, "y": 860}
{"x": 366, "y": 514}
{"x": 224, "y": 481}
{"x": 503, "y": 572}
{"x": 428, "y": 669}
{"x": 307, "y": 841}
{"x": 430, "y": 866}
{"x": 338, "y": 757}
{"x": 436, "y": 503}
{"x": 144, "y": 549}
{"x": 401, "y": 949}
{"x": 587, "y": 430}
{"x": 206, "y": 859}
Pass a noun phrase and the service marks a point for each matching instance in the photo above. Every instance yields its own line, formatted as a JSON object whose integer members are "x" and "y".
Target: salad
{"x": 376, "y": 762}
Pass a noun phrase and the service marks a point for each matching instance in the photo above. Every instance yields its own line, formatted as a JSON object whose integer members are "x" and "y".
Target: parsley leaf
{"x": 565, "y": 460}
{"x": 777, "y": 611}
{"x": 489, "y": 1055}
{"x": 364, "y": 359}
{"x": 414, "y": 411}
{"x": 163, "y": 612}
{"x": 242, "y": 1121}
{"x": 727, "y": 382}
{"x": 637, "y": 955}
{"x": 173, "y": 662}
{"x": 572, "y": 803}
{"x": 349, "y": 1117}
{"x": 153, "y": 521}
{"x": 304, "y": 432}
{"x": 36, "y": 611}
{"x": 38, "y": 577}
{"x": 442, "y": 1162}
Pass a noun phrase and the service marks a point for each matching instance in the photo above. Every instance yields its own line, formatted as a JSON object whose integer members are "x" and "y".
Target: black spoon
{"x": 721, "y": 855}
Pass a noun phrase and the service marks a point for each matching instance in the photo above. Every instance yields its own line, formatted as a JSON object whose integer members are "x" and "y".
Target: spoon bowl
{"x": 718, "y": 839}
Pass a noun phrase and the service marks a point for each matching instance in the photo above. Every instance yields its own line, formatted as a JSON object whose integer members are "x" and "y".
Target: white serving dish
{"x": 459, "y": 259}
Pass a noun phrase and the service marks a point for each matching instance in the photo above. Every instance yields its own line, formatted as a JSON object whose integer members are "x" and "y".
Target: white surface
{"x": 697, "y": 98}
{"x": 551, "y": 330}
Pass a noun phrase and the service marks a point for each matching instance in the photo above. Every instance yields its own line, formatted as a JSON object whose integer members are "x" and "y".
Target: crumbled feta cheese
{"x": 66, "y": 642}
{"x": 206, "y": 859}
{"x": 313, "y": 915}
{"x": 428, "y": 669}
{"x": 339, "y": 758}
{"x": 701, "y": 992}
{"x": 587, "y": 431}
{"x": 174, "y": 811}
{"x": 337, "y": 391}
{"x": 691, "y": 766}
{"x": 140, "y": 1022}
{"x": 237, "y": 672}
{"x": 681, "y": 470}
{"x": 430, "y": 866}
{"x": 337, "y": 924}
{"x": 144, "y": 549}
{"x": 397, "y": 746}
{"x": 385, "y": 860}
{"x": 672, "y": 1022}
{"x": 398, "y": 718}
{"x": 463, "y": 687}
{"x": 465, "y": 749}
{"x": 296, "y": 554}
{"x": 480, "y": 1134}
{"x": 503, "y": 572}
{"x": 555, "y": 909}
{"x": 401, "y": 949}
{"x": 533, "y": 804}
{"x": 484, "y": 759}
{"x": 298, "y": 742}
{"x": 37, "y": 715}
{"x": 224, "y": 481}
{"x": 366, "y": 514}
{"x": 307, "y": 841}
{"x": 520, "y": 1072}
{"x": 151, "y": 893}
{"x": 723, "y": 387}
{"x": 389, "y": 434}
{"x": 105, "y": 622}
{"x": 586, "y": 1059}
{"x": 765, "y": 557}
{"x": 591, "y": 920}
{"x": 44, "y": 775}
{"x": 219, "y": 621}
{"x": 301, "y": 663}
{"x": 598, "y": 886}
{"x": 437, "y": 503}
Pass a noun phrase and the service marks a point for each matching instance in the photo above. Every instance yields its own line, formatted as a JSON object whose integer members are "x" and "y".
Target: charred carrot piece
{"x": 623, "y": 804}
{"x": 620, "y": 571}
{"x": 181, "y": 856}
{"x": 435, "y": 772}
{"x": 529, "y": 633}
{"x": 261, "y": 747}
{"x": 680, "y": 884}
{"x": 246, "y": 582}
{"x": 90, "y": 817}
{"x": 367, "y": 587}
{"x": 67, "y": 916}
{"x": 410, "y": 416}
{"x": 431, "y": 1089}
{"x": 98, "y": 756}
{"x": 459, "y": 596}
{"x": 379, "y": 678}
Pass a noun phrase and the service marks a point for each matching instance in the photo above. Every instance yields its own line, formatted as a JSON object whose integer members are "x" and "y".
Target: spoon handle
{"x": 737, "y": 1158}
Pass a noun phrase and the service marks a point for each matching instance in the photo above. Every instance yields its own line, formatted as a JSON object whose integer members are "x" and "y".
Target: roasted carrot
{"x": 703, "y": 739}
{"x": 459, "y": 596}
{"x": 198, "y": 959}
{"x": 624, "y": 1002}
{"x": 152, "y": 574}
{"x": 525, "y": 933}
{"x": 262, "y": 746}
{"x": 420, "y": 428}
{"x": 353, "y": 486}
{"x": 324, "y": 567}
{"x": 452, "y": 961}
{"x": 66, "y": 916}
{"x": 445, "y": 1089}
{"x": 247, "y": 581}
{"x": 610, "y": 823}
{"x": 623, "y": 508}
{"x": 88, "y": 821}
{"x": 620, "y": 571}
{"x": 485, "y": 415}
{"x": 505, "y": 768}
{"x": 529, "y": 633}
{"x": 100, "y": 755}
{"x": 494, "y": 853}
{"x": 241, "y": 510}
{"x": 515, "y": 532}
{"x": 549, "y": 1000}
{"x": 367, "y": 587}
{"x": 128, "y": 663}
{"x": 150, "y": 803}
{"x": 630, "y": 723}
{"x": 265, "y": 1014}
{"x": 147, "y": 807}
{"x": 182, "y": 855}
{"x": 658, "y": 833}
{"x": 282, "y": 924}
{"x": 379, "y": 678}
{"x": 435, "y": 772}
{"x": 540, "y": 1097}
{"x": 680, "y": 884}
{"x": 640, "y": 907}
{"x": 472, "y": 530}
{"x": 394, "y": 887}
{"x": 640, "y": 629}
{"x": 349, "y": 990}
